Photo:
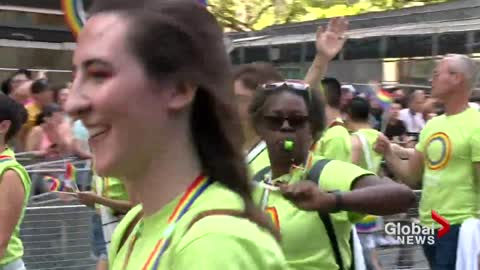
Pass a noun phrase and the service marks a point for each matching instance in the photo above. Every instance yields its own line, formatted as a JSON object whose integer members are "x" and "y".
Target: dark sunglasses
{"x": 274, "y": 122}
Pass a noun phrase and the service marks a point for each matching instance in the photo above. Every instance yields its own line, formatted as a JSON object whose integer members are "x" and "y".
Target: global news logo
{"x": 415, "y": 234}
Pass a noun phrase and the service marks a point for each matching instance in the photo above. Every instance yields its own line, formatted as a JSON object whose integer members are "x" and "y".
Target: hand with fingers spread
{"x": 332, "y": 39}
{"x": 307, "y": 196}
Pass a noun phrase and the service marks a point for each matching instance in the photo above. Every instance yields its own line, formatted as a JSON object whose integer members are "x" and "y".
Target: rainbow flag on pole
{"x": 385, "y": 98}
{"x": 70, "y": 177}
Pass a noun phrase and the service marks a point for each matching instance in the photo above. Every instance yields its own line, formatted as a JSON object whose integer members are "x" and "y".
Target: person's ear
{"x": 4, "y": 127}
{"x": 181, "y": 96}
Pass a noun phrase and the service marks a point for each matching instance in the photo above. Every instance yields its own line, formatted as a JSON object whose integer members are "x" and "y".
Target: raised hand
{"x": 307, "y": 196}
{"x": 331, "y": 40}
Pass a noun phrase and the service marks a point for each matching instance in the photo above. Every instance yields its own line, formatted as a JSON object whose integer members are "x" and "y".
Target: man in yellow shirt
{"x": 446, "y": 160}
{"x": 335, "y": 141}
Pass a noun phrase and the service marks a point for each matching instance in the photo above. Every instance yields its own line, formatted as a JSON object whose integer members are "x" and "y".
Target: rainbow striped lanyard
{"x": 5, "y": 158}
{"x": 194, "y": 191}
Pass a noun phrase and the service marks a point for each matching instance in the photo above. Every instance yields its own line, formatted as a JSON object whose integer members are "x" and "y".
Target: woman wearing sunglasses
{"x": 290, "y": 117}
{"x": 153, "y": 88}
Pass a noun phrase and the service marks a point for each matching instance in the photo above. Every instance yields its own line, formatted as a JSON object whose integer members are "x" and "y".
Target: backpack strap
{"x": 366, "y": 151}
{"x": 314, "y": 176}
{"x": 256, "y": 151}
{"x": 260, "y": 175}
{"x": 130, "y": 229}
{"x": 217, "y": 212}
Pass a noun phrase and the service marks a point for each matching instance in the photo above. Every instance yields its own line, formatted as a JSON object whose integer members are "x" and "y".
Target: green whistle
{"x": 288, "y": 145}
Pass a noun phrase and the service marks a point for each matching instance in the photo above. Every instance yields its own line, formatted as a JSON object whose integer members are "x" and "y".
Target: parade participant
{"x": 289, "y": 117}
{"x": 329, "y": 42}
{"x": 446, "y": 160}
{"x": 363, "y": 139}
{"x": 247, "y": 78}
{"x": 363, "y": 135}
{"x": 14, "y": 186}
{"x": 111, "y": 203}
{"x": 153, "y": 88}
{"x": 335, "y": 141}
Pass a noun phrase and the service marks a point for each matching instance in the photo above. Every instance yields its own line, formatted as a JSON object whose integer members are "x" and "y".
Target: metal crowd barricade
{"x": 55, "y": 233}
{"x": 403, "y": 256}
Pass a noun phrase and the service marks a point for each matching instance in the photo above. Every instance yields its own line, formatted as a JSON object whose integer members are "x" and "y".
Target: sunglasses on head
{"x": 295, "y": 85}
{"x": 290, "y": 84}
{"x": 276, "y": 122}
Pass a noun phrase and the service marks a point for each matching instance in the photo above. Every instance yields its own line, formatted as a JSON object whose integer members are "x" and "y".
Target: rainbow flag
{"x": 368, "y": 224}
{"x": 54, "y": 184}
{"x": 70, "y": 177}
{"x": 74, "y": 15}
{"x": 385, "y": 98}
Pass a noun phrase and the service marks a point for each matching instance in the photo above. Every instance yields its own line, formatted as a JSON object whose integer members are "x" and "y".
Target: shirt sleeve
{"x": 340, "y": 176}
{"x": 475, "y": 145}
{"x": 227, "y": 248}
{"x": 335, "y": 147}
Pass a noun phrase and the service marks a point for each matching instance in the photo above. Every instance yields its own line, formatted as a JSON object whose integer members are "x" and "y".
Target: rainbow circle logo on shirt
{"x": 438, "y": 151}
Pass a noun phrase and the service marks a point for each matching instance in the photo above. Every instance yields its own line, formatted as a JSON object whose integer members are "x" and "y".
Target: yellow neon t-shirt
{"x": 214, "y": 242}
{"x": 14, "y": 249}
{"x": 335, "y": 143}
{"x": 451, "y": 146}
{"x": 305, "y": 241}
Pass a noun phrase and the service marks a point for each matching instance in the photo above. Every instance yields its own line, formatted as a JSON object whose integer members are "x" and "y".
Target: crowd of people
{"x": 241, "y": 167}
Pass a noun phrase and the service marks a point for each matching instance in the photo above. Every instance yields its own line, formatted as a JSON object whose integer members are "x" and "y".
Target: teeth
{"x": 94, "y": 131}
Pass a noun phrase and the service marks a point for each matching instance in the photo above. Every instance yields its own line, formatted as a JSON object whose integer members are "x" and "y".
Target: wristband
{"x": 338, "y": 201}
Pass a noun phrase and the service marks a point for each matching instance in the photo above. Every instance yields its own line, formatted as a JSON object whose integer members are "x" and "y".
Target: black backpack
{"x": 314, "y": 176}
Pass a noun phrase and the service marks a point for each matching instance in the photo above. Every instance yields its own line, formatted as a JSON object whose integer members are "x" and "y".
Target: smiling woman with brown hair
{"x": 153, "y": 87}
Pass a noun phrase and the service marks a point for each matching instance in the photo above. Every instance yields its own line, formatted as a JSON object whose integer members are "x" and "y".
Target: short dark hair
{"x": 313, "y": 100}
{"x": 6, "y": 87}
{"x": 255, "y": 74}
{"x": 56, "y": 88}
{"x": 40, "y": 86}
{"x": 358, "y": 109}
{"x": 14, "y": 112}
{"x": 26, "y": 72}
{"x": 333, "y": 92}
{"x": 47, "y": 111}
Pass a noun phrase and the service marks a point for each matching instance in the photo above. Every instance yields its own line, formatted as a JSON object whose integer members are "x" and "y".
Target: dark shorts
{"x": 99, "y": 247}
{"x": 443, "y": 254}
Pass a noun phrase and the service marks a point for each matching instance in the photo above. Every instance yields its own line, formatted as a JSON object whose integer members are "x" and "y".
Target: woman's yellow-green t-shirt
{"x": 214, "y": 242}
{"x": 305, "y": 241}
{"x": 15, "y": 247}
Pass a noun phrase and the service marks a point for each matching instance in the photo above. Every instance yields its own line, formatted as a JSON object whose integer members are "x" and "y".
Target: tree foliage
{"x": 246, "y": 15}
